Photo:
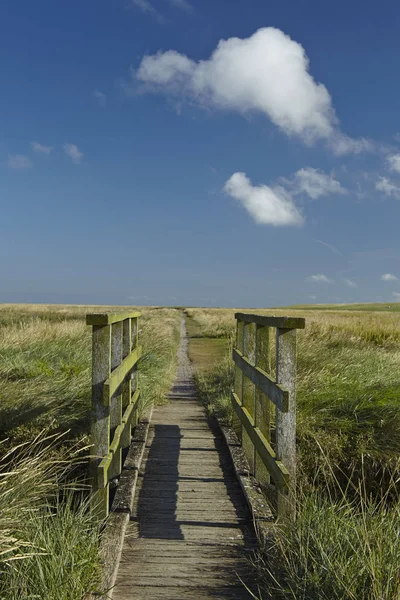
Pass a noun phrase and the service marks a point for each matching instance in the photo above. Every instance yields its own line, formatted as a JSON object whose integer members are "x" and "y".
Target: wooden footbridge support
{"x": 190, "y": 532}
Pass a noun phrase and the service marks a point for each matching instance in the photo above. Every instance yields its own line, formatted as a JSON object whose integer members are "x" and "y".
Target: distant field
{"x": 367, "y": 306}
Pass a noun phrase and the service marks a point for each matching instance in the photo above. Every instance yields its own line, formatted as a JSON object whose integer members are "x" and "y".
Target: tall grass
{"x": 48, "y": 537}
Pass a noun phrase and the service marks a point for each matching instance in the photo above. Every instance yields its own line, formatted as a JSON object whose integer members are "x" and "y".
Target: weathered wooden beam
{"x": 100, "y": 422}
{"x": 126, "y": 387}
{"x": 262, "y": 404}
{"x": 286, "y": 422}
{"x": 276, "y": 468}
{"x": 275, "y": 392}
{"x": 109, "y": 318}
{"x": 118, "y": 375}
{"x": 266, "y": 321}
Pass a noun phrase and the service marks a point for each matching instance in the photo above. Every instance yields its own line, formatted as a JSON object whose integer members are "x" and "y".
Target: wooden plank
{"x": 116, "y": 401}
{"x": 270, "y": 321}
{"x": 109, "y": 318}
{"x": 276, "y": 393}
{"x": 268, "y": 456}
{"x": 119, "y": 374}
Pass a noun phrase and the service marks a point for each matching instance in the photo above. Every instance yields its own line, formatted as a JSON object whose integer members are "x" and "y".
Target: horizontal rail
{"x": 279, "y": 322}
{"x": 266, "y": 453}
{"x": 273, "y": 391}
{"x": 118, "y": 375}
{"x": 108, "y": 318}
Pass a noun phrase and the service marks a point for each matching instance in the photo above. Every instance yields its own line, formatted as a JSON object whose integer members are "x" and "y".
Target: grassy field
{"x": 48, "y": 539}
{"x": 345, "y": 543}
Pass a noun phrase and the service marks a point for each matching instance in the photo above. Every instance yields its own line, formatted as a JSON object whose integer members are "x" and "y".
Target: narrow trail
{"x": 191, "y": 532}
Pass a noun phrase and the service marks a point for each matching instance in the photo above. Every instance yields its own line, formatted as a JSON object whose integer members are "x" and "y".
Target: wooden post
{"x": 286, "y": 422}
{"x": 248, "y": 350}
{"x": 127, "y": 385}
{"x": 262, "y": 404}
{"x": 100, "y": 430}
{"x": 236, "y": 424}
{"x": 134, "y": 374}
{"x": 116, "y": 400}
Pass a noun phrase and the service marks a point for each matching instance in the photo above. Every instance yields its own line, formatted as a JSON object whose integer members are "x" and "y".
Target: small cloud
{"x": 73, "y": 152}
{"x": 312, "y": 297}
{"x": 350, "y": 283}
{"x": 315, "y": 183}
{"x": 389, "y": 277}
{"x": 394, "y": 162}
{"x": 330, "y": 246}
{"x": 387, "y": 187}
{"x": 147, "y": 8}
{"x": 100, "y": 97}
{"x": 19, "y": 161}
{"x": 41, "y": 149}
{"x": 319, "y": 278}
{"x": 396, "y": 295}
{"x": 267, "y": 205}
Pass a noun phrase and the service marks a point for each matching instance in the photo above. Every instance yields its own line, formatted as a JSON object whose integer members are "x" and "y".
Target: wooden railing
{"x": 270, "y": 457}
{"x": 115, "y": 395}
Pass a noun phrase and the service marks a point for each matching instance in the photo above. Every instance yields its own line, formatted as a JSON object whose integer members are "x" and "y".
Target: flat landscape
{"x": 345, "y": 543}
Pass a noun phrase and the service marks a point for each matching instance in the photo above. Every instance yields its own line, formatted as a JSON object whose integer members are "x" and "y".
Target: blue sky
{"x": 199, "y": 152}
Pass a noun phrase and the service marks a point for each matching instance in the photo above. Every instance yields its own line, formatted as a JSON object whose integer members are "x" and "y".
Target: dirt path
{"x": 191, "y": 532}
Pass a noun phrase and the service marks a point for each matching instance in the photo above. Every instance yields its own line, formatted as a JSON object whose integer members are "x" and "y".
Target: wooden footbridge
{"x": 180, "y": 524}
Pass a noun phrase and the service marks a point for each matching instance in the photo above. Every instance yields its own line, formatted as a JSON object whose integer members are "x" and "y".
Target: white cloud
{"x": 312, "y": 297}
{"x": 267, "y": 205}
{"x": 73, "y": 152}
{"x": 396, "y": 295}
{"x": 320, "y": 278}
{"x": 394, "y": 162}
{"x": 387, "y": 187}
{"x": 40, "y": 149}
{"x": 340, "y": 143}
{"x": 315, "y": 183}
{"x": 19, "y": 161}
{"x": 389, "y": 277}
{"x": 350, "y": 283}
{"x": 267, "y": 72}
{"x": 100, "y": 97}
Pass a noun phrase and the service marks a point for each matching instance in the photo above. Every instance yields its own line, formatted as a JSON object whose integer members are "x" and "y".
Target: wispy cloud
{"x": 100, "y": 97}
{"x": 350, "y": 283}
{"x": 73, "y": 152}
{"x": 319, "y": 278}
{"x": 261, "y": 73}
{"x": 147, "y": 7}
{"x": 315, "y": 183}
{"x": 19, "y": 161}
{"x": 330, "y": 246}
{"x": 389, "y": 277}
{"x": 394, "y": 162}
{"x": 41, "y": 149}
{"x": 267, "y": 205}
{"x": 396, "y": 295}
{"x": 387, "y": 187}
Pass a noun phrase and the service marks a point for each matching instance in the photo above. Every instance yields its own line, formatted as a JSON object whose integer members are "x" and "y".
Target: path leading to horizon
{"x": 191, "y": 533}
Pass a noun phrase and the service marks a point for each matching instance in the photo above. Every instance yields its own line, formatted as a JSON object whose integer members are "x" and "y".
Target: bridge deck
{"x": 191, "y": 533}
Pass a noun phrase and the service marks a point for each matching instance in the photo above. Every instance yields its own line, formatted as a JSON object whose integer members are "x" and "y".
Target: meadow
{"x": 48, "y": 537}
{"x": 345, "y": 542}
